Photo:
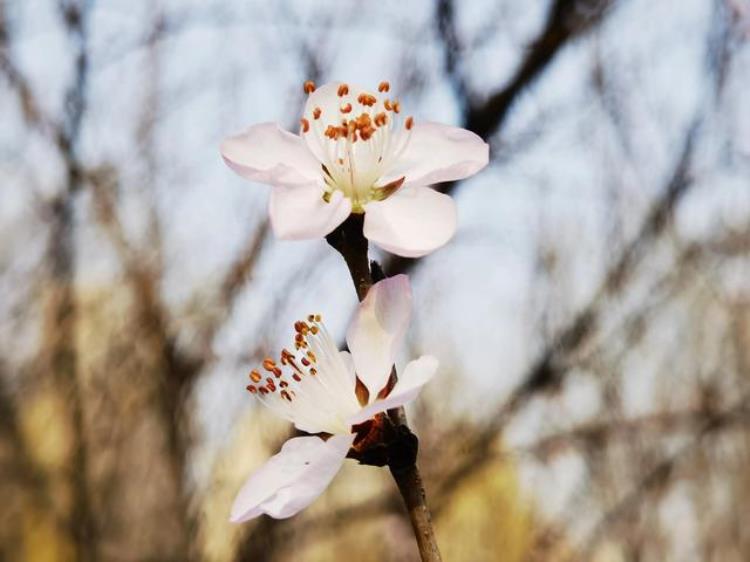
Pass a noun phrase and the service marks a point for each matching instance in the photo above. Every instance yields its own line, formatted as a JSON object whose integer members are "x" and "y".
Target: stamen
{"x": 255, "y": 376}
{"x": 396, "y": 106}
{"x": 305, "y": 125}
{"x": 343, "y": 90}
{"x": 384, "y": 86}
{"x": 347, "y": 108}
{"x": 269, "y": 364}
{"x": 309, "y": 87}
{"x": 381, "y": 119}
{"x": 367, "y": 99}
{"x": 409, "y": 123}
{"x": 252, "y": 389}
{"x": 317, "y": 113}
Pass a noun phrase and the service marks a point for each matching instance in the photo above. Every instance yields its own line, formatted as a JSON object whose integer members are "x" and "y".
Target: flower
{"x": 327, "y": 392}
{"x": 356, "y": 154}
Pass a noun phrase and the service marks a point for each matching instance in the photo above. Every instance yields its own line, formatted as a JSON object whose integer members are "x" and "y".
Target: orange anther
{"x": 305, "y": 125}
{"x": 309, "y": 87}
{"x": 346, "y": 108}
{"x": 381, "y": 119}
{"x": 343, "y": 90}
{"x": 409, "y": 123}
{"x": 317, "y": 112}
{"x": 251, "y": 389}
{"x": 396, "y": 107}
{"x": 384, "y": 86}
{"x": 255, "y": 376}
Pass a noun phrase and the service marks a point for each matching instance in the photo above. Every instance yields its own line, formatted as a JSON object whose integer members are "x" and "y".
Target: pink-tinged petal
{"x": 412, "y": 222}
{"x": 409, "y": 385}
{"x": 292, "y": 479}
{"x": 378, "y": 330}
{"x": 300, "y": 213}
{"x": 267, "y": 154}
{"x": 438, "y": 153}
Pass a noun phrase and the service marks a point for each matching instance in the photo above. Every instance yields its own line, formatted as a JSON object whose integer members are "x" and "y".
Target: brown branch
{"x": 566, "y": 21}
{"x": 349, "y": 240}
{"x": 660, "y": 473}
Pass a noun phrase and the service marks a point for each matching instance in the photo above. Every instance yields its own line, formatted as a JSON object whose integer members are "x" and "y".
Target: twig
{"x": 350, "y": 242}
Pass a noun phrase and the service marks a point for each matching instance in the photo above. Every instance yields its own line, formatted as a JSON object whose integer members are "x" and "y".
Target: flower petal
{"x": 378, "y": 329}
{"x": 267, "y": 154}
{"x": 438, "y": 153}
{"x": 415, "y": 376}
{"x": 299, "y": 213}
{"x": 412, "y": 222}
{"x": 292, "y": 479}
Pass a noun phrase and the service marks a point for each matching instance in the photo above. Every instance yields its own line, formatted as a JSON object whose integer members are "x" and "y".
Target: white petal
{"x": 409, "y": 385}
{"x": 292, "y": 479}
{"x": 267, "y": 154}
{"x": 438, "y": 153}
{"x": 412, "y": 222}
{"x": 299, "y": 213}
{"x": 378, "y": 329}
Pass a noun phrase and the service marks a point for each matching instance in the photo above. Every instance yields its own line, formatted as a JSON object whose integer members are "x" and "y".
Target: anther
{"x": 367, "y": 99}
{"x": 269, "y": 364}
{"x": 305, "y": 125}
{"x": 388, "y": 105}
{"x": 255, "y": 376}
{"x": 396, "y": 107}
{"x": 263, "y": 390}
{"x": 251, "y": 389}
{"x": 285, "y": 396}
{"x": 305, "y": 361}
{"x": 380, "y": 119}
{"x": 312, "y": 357}
{"x": 314, "y": 330}
{"x": 311, "y": 318}
{"x": 409, "y": 123}
{"x": 309, "y": 87}
{"x": 296, "y": 377}
{"x": 317, "y": 112}
{"x": 384, "y": 86}
{"x": 343, "y": 90}
{"x": 313, "y": 371}
{"x": 346, "y": 108}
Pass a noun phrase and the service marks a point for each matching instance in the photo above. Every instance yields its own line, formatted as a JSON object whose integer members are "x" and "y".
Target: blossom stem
{"x": 349, "y": 240}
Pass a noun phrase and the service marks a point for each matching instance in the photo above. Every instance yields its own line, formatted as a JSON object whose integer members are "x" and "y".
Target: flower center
{"x": 313, "y": 387}
{"x": 360, "y": 139}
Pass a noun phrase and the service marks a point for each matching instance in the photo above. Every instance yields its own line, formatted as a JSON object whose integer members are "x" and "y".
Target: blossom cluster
{"x": 356, "y": 153}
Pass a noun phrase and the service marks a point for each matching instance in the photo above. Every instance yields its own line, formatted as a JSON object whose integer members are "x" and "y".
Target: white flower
{"x": 326, "y": 391}
{"x": 355, "y": 154}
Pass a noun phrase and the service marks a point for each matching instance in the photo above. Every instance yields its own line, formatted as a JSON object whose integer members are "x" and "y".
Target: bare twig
{"x": 350, "y": 242}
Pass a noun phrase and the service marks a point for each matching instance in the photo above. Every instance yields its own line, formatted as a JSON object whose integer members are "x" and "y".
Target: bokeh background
{"x": 592, "y": 315}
